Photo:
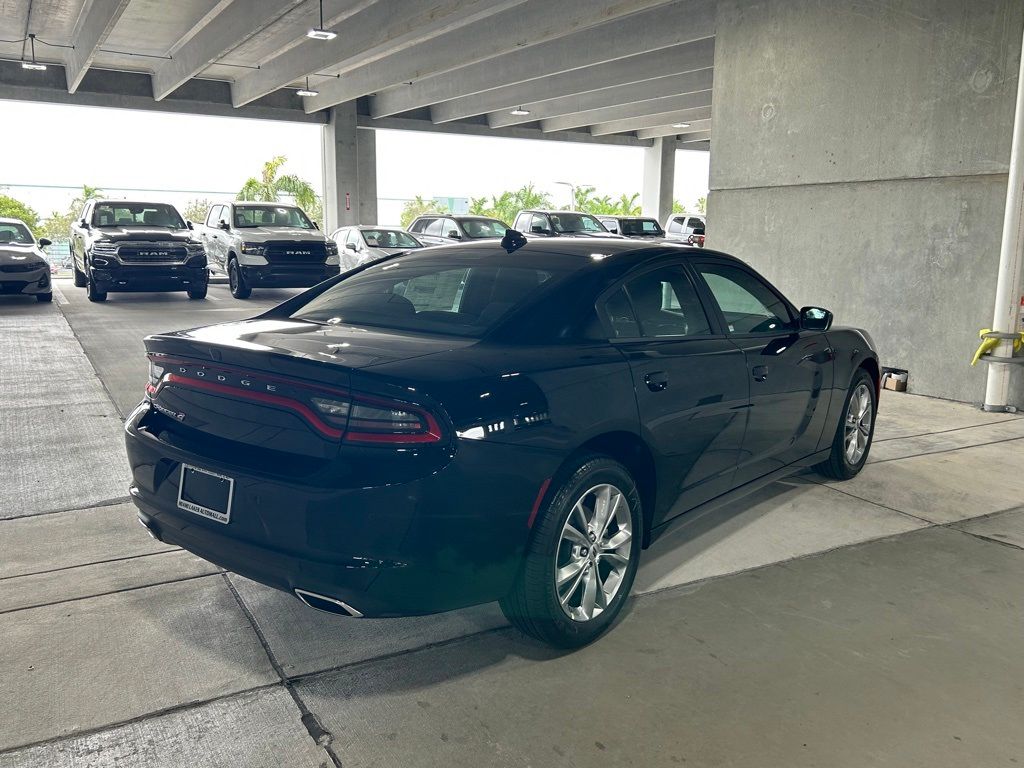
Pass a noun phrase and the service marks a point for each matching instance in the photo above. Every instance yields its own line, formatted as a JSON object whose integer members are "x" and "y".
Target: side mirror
{"x": 351, "y": 246}
{"x": 84, "y": 224}
{"x": 454, "y": 235}
{"x": 315, "y": 225}
{"x": 43, "y": 242}
{"x": 815, "y": 319}
{"x": 537, "y": 229}
{"x": 224, "y": 225}
{"x": 188, "y": 224}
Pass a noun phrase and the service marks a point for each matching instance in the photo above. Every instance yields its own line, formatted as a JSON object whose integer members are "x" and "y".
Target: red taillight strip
{"x": 262, "y": 397}
{"x": 537, "y": 502}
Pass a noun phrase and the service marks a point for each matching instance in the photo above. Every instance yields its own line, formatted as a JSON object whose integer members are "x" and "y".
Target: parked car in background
{"x": 681, "y": 225}
{"x": 633, "y": 226}
{"x": 440, "y": 229}
{"x": 23, "y": 267}
{"x": 696, "y": 237}
{"x": 560, "y": 223}
{"x": 507, "y": 421}
{"x": 122, "y": 245}
{"x": 267, "y": 245}
{"x": 359, "y": 244}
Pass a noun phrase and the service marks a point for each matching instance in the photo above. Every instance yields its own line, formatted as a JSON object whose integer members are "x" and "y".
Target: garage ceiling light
{"x": 680, "y": 125}
{"x": 307, "y": 91}
{"x": 519, "y": 111}
{"x": 319, "y": 33}
{"x": 39, "y": 67}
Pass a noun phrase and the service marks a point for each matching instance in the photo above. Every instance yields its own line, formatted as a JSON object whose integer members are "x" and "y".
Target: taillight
{"x": 372, "y": 420}
{"x": 156, "y": 375}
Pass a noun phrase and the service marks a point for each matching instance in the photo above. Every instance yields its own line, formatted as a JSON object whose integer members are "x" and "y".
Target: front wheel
{"x": 92, "y": 291}
{"x": 78, "y": 275}
{"x": 581, "y": 562}
{"x": 197, "y": 291}
{"x": 236, "y": 281}
{"x": 855, "y": 431}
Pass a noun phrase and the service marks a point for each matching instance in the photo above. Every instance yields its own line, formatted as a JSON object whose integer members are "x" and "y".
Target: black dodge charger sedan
{"x": 480, "y": 422}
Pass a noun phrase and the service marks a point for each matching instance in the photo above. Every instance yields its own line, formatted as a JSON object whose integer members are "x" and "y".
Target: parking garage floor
{"x": 876, "y": 622}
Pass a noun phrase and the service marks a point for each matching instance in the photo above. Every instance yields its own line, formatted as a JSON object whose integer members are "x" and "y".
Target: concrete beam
{"x": 535, "y": 23}
{"x": 689, "y": 82}
{"x": 694, "y": 137}
{"x": 668, "y": 130}
{"x": 380, "y": 30}
{"x": 555, "y": 88}
{"x": 696, "y": 146}
{"x": 650, "y": 121}
{"x": 224, "y": 32}
{"x": 481, "y": 129}
{"x": 628, "y": 111}
{"x": 94, "y": 23}
{"x": 133, "y": 90}
{"x": 659, "y": 178}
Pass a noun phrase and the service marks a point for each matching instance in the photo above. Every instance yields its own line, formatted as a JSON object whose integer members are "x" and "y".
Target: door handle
{"x": 759, "y": 372}
{"x": 656, "y": 381}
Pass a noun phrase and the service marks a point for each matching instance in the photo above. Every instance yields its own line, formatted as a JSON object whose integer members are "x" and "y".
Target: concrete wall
{"x": 859, "y": 161}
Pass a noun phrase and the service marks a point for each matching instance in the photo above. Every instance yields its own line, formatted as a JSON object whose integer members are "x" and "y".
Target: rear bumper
{"x": 171, "y": 277}
{"x": 286, "y": 276}
{"x": 27, "y": 283}
{"x": 453, "y": 538}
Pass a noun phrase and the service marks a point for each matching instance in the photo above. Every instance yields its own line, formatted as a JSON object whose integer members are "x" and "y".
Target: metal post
{"x": 1011, "y": 256}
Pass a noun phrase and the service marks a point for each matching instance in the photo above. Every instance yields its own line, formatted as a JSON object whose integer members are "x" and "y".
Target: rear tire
{"x": 855, "y": 431}
{"x": 595, "y": 561}
{"x": 80, "y": 280}
{"x": 44, "y": 297}
{"x": 92, "y": 291}
{"x": 197, "y": 291}
{"x": 236, "y": 281}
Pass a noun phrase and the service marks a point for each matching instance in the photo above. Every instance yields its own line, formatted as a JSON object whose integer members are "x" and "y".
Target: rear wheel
{"x": 92, "y": 291}
{"x": 78, "y": 275}
{"x": 581, "y": 562}
{"x": 236, "y": 281}
{"x": 856, "y": 429}
{"x": 197, "y": 291}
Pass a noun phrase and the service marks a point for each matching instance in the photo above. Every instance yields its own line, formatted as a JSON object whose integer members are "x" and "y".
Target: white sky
{"x": 180, "y": 157}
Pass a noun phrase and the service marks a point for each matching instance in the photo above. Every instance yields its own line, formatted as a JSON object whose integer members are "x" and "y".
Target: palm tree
{"x": 270, "y": 187}
{"x": 702, "y": 204}
{"x": 88, "y": 193}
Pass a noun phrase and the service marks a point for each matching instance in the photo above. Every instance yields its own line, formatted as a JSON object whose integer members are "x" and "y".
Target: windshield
{"x": 390, "y": 238}
{"x": 482, "y": 228}
{"x": 136, "y": 215}
{"x": 640, "y": 227}
{"x": 575, "y": 222}
{"x": 15, "y": 232}
{"x": 271, "y": 216}
{"x": 446, "y": 294}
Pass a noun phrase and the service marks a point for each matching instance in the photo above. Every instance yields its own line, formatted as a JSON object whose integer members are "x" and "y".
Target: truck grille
{"x": 296, "y": 253}
{"x": 152, "y": 253}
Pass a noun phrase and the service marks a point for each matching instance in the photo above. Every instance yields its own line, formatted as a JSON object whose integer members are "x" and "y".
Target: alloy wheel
{"x": 593, "y": 552}
{"x": 859, "y": 416}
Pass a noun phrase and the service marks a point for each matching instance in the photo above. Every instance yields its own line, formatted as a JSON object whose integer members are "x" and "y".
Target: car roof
{"x": 553, "y": 210}
{"x": 12, "y": 221}
{"x": 132, "y": 202}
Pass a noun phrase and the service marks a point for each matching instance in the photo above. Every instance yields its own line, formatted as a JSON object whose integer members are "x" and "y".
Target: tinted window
{"x": 481, "y": 228}
{"x": 748, "y": 304}
{"x": 270, "y": 216}
{"x": 620, "y": 316}
{"x": 389, "y": 238}
{"x": 417, "y": 226}
{"x": 136, "y": 215}
{"x": 449, "y": 228}
{"x": 445, "y": 295}
{"x": 11, "y": 232}
{"x": 666, "y": 304}
{"x": 434, "y": 227}
{"x": 538, "y": 223}
{"x": 640, "y": 227}
{"x": 575, "y": 222}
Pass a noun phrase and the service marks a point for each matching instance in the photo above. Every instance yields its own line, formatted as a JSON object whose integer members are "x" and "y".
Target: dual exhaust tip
{"x": 327, "y": 604}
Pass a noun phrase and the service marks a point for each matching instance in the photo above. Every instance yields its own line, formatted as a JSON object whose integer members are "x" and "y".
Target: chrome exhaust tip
{"x": 327, "y": 604}
{"x": 149, "y": 528}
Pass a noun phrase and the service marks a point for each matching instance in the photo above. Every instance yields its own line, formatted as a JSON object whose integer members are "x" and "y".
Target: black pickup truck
{"x": 117, "y": 245}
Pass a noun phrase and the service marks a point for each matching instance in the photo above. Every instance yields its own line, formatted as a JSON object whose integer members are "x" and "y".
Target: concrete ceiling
{"x": 619, "y": 70}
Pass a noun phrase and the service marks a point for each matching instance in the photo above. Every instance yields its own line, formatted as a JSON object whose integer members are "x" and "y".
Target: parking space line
{"x": 58, "y": 294}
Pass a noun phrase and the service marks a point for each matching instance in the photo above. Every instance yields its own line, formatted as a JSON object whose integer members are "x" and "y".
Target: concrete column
{"x": 350, "y": 170}
{"x": 659, "y": 178}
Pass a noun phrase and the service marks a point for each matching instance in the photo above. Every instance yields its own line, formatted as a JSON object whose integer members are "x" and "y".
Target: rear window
{"x": 640, "y": 227}
{"x": 461, "y": 297}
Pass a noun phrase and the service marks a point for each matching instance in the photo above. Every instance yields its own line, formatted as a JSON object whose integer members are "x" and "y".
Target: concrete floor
{"x": 871, "y": 623}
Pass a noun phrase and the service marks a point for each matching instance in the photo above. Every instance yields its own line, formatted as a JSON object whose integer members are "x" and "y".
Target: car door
{"x": 690, "y": 381}
{"x": 790, "y": 369}
{"x": 212, "y": 238}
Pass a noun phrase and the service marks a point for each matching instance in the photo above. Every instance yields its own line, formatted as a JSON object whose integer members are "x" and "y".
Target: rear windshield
{"x": 136, "y": 215}
{"x": 452, "y": 296}
{"x": 270, "y": 216}
{"x": 640, "y": 227}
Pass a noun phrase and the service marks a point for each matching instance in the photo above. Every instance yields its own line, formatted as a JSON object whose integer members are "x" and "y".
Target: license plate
{"x": 205, "y": 493}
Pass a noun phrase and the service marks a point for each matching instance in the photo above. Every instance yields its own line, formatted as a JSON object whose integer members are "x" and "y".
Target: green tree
{"x": 702, "y": 205}
{"x": 12, "y": 208}
{"x": 508, "y": 204}
{"x": 88, "y": 193}
{"x": 271, "y": 184}
{"x": 478, "y": 207}
{"x": 196, "y": 209}
{"x": 57, "y": 225}
{"x": 627, "y": 205}
{"x": 419, "y": 206}
{"x": 678, "y": 207}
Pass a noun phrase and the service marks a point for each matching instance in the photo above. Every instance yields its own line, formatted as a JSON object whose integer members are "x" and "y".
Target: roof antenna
{"x": 513, "y": 240}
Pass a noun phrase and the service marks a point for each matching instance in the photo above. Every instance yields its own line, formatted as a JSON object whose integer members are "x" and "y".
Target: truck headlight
{"x": 332, "y": 248}
{"x": 254, "y": 249}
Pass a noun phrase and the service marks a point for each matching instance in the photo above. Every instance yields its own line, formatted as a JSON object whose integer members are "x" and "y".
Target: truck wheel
{"x": 197, "y": 291}
{"x": 93, "y": 292}
{"x": 236, "y": 281}
{"x": 79, "y": 276}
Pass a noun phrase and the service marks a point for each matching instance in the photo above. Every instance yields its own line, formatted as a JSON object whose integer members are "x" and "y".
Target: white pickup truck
{"x": 266, "y": 245}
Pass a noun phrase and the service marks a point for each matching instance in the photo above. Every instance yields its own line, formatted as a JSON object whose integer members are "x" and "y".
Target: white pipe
{"x": 1011, "y": 256}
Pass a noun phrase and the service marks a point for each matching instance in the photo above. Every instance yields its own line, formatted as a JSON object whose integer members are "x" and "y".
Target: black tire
{"x": 92, "y": 292}
{"x": 80, "y": 280}
{"x": 533, "y": 606}
{"x": 44, "y": 297}
{"x": 197, "y": 291}
{"x": 236, "y": 281}
{"x": 838, "y": 465}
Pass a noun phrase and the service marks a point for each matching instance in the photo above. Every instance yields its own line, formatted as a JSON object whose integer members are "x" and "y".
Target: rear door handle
{"x": 759, "y": 372}
{"x": 656, "y": 381}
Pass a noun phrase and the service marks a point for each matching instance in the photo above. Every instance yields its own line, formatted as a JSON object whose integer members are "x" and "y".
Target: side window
{"x": 522, "y": 222}
{"x": 417, "y": 226}
{"x": 539, "y": 221}
{"x": 620, "y": 316}
{"x": 434, "y": 227}
{"x": 213, "y": 216}
{"x": 666, "y": 304}
{"x": 675, "y": 225}
{"x": 749, "y": 306}
{"x": 353, "y": 238}
{"x": 448, "y": 226}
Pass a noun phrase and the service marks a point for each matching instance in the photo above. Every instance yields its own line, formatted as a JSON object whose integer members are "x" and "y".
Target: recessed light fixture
{"x": 37, "y": 66}
{"x": 680, "y": 125}
{"x": 319, "y": 33}
{"x": 307, "y": 91}
{"x": 519, "y": 111}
